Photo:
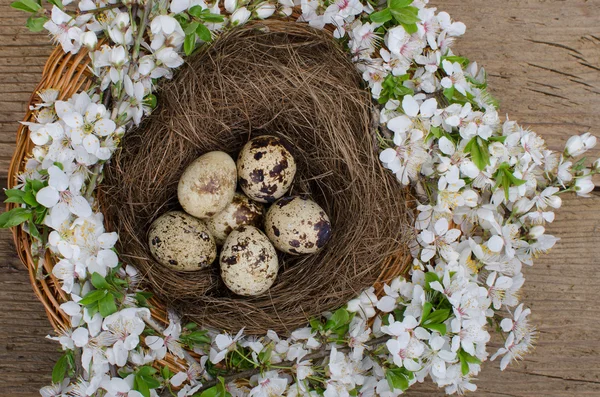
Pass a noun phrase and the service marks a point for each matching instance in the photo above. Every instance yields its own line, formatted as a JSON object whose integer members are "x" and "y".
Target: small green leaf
{"x": 140, "y": 385}
{"x": 57, "y": 3}
{"x": 99, "y": 282}
{"x": 93, "y": 297}
{"x": 381, "y": 16}
{"x": 189, "y": 44}
{"x": 407, "y": 15}
{"x": 449, "y": 93}
{"x": 146, "y": 370}
{"x": 430, "y": 277}
{"x": 196, "y": 11}
{"x": 29, "y": 199}
{"x": 107, "y": 305}
{"x": 14, "y": 193}
{"x": 26, "y": 5}
{"x": 36, "y": 185}
{"x": 441, "y": 328}
{"x": 212, "y": 18}
{"x": 427, "y": 307}
{"x": 204, "y": 34}
{"x": 191, "y": 27}
{"x": 398, "y": 4}
{"x": 396, "y": 378}
{"x": 15, "y": 217}
{"x": 480, "y": 155}
{"x": 438, "y": 316}
{"x": 60, "y": 369}
{"x": 410, "y": 27}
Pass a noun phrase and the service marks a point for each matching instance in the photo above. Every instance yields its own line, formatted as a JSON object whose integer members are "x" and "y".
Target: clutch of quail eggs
{"x": 246, "y": 226}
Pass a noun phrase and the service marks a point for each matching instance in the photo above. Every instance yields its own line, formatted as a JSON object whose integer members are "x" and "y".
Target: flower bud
{"x": 230, "y": 5}
{"x": 240, "y": 16}
{"x": 265, "y": 10}
{"x": 535, "y": 232}
{"x": 89, "y": 40}
{"x": 583, "y": 186}
{"x": 577, "y": 145}
{"x": 596, "y": 166}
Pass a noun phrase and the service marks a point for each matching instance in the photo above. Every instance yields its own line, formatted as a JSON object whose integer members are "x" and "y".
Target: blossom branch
{"x": 323, "y": 353}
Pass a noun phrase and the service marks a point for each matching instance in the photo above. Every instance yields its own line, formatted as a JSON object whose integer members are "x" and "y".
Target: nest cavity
{"x": 278, "y": 78}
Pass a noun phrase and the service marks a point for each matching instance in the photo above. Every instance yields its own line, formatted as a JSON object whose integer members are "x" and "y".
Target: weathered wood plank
{"x": 543, "y": 58}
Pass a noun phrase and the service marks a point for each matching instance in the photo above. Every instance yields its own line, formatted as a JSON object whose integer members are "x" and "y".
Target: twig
{"x": 141, "y": 31}
{"x": 324, "y": 352}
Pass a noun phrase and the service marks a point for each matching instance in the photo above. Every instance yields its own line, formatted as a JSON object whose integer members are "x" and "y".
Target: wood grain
{"x": 543, "y": 59}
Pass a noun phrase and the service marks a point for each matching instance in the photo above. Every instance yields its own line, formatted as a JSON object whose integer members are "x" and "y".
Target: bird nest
{"x": 276, "y": 78}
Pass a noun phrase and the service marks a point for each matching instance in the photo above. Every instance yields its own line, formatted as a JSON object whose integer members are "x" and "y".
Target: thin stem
{"x": 141, "y": 30}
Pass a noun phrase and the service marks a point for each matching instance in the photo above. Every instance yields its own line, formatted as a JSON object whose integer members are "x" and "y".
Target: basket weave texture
{"x": 70, "y": 74}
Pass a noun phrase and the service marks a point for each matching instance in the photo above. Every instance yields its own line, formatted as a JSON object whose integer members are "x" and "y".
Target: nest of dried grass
{"x": 277, "y": 78}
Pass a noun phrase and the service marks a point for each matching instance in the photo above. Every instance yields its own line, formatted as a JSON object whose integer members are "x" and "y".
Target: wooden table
{"x": 543, "y": 59}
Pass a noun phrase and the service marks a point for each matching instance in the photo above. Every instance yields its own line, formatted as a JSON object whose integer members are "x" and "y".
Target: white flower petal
{"x": 47, "y": 196}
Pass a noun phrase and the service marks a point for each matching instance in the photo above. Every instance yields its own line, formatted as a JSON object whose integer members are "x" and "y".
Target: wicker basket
{"x": 70, "y": 74}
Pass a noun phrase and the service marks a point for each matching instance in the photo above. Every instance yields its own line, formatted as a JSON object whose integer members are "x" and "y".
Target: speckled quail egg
{"x": 241, "y": 211}
{"x": 297, "y": 225}
{"x": 266, "y": 168}
{"x": 207, "y": 185}
{"x": 248, "y": 262}
{"x": 181, "y": 242}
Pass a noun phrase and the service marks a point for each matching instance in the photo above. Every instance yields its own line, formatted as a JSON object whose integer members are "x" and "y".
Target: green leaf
{"x": 151, "y": 382}
{"x": 449, "y": 93}
{"x": 29, "y": 199}
{"x": 430, "y": 277}
{"x": 60, "y": 369}
{"x": 466, "y": 359}
{"x": 99, "y": 282}
{"x": 427, "y": 307}
{"x": 398, "y": 4}
{"x": 14, "y": 193}
{"x": 15, "y": 199}
{"x": 196, "y": 11}
{"x": 441, "y": 328}
{"x": 107, "y": 305}
{"x": 455, "y": 58}
{"x": 204, "y": 34}
{"x": 497, "y": 138}
{"x": 57, "y": 3}
{"x": 480, "y": 155}
{"x": 36, "y": 185}
{"x": 140, "y": 385}
{"x": 146, "y": 370}
{"x": 438, "y": 316}
{"x": 191, "y": 27}
{"x": 26, "y": 5}
{"x": 407, "y": 15}
{"x": 211, "y": 18}
{"x": 410, "y": 28}
{"x": 93, "y": 297}
{"x": 189, "y": 44}
{"x": 15, "y": 217}
{"x": 505, "y": 179}
{"x": 397, "y": 379}
{"x": 381, "y": 16}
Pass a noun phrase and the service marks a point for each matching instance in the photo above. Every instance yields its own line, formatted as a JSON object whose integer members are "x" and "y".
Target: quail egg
{"x": 181, "y": 242}
{"x": 207, "y": 185}
{"x": 248, "y": 262}
{"x": 297, "y": 225}
{"x": 241, "y": 211}
{"x": 266, "y": 168}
